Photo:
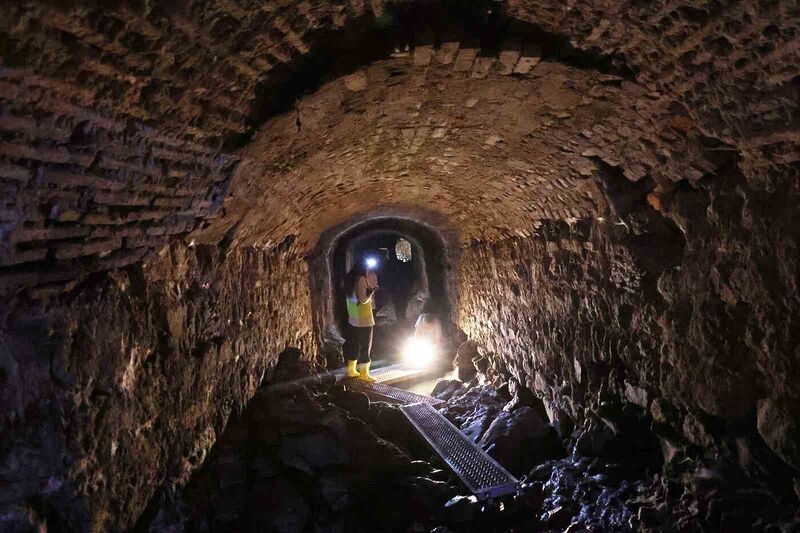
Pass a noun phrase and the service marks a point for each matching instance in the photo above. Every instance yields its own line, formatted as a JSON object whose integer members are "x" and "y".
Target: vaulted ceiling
{"x": 127, "y": 126}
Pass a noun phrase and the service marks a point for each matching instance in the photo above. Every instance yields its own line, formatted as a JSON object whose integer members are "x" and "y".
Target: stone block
{"x": 49, "y": 234}
{"x": 24, "y": 151}
{"x": 69, "y": 179}
{"x": 529, "y": 58}
{"x": 356, "y": 82}
{"x": 170, "y": 154}
{"x": 465, "y": 59}
{"x": 102, "y": 219}
{"x": 482, "y": 66}
{"x": 15, "y": 173}
{"x": 80, "y": 250}
{"x": 122, "y": 199}
{"x": 186, "y": 191}
{"x": 150, "y": 187}
{"x": 70, "y": 215}
{"x": 51, "y": 290}
{"x": 121, "y": 258}
{"x": 26, "y": 256}
{"x": 447, "y": 53}
{"x": 506, "y": 61}
{"x": 156, "y": 231}
{"x": 100, "y": 232}
{"x": 180, "y": 203}
{"x": 138, "y": 216}
{"x": 423, "y": 56}
{"x": 142, "y": 241}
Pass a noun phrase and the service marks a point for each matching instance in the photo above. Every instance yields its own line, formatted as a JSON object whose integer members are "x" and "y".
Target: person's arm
{"x": 362, "y": 294}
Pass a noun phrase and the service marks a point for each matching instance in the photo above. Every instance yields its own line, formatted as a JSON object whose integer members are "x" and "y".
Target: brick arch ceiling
{"x": 494, "y": 144}
{"x": 196, "y": 68}
{"x": 114, "y": 119}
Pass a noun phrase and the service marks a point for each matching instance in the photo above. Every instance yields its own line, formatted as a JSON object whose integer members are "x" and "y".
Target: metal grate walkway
{"x": 387, "y": 374}
{"x": 396, "y": 373}
{"x": 480, "y": 473}
{"x": 387, "y": 393}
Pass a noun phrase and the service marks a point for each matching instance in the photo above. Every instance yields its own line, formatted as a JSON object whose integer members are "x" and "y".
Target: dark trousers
{"x": 359, "y": 343}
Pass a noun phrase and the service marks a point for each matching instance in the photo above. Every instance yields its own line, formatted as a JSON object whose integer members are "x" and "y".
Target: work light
{"x": 419, "y": 352}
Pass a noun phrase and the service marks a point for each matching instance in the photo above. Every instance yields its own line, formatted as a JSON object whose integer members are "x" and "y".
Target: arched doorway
{"x": 406, "y": 287}
{"x": 403, "y": 289}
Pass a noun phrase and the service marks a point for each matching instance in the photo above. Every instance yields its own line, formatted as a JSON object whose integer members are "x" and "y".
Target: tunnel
{"x": 410, "y": 285}
{"x": 595, "y": 203}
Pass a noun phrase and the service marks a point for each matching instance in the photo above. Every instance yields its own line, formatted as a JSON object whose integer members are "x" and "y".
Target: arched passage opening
{"x": 407, "y": 288}
{"x": 399, "y": 280}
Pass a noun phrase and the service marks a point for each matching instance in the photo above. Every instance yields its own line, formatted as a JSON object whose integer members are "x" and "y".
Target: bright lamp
{"x": 419, "y": 352}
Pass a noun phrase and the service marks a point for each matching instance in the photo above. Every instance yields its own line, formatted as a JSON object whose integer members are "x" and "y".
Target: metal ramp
{"x": 480, "y": 473}
{"x": 396, "y": 373}
{"x": 386, "y": 393}
{"x": 387, "y": 374}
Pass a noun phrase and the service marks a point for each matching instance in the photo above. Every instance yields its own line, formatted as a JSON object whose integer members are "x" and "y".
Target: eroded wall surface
{"x": 125, "y": 385}
{"x": 691, "y": 299}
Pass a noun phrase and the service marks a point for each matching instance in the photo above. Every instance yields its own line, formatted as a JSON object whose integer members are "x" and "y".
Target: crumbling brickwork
{"x": 441, "y": 108}
{"x": 81, "y": 192}
{"x": 459, "y": 132}
{"x": 111, "y": 393}
{"x": 694, "y": 304}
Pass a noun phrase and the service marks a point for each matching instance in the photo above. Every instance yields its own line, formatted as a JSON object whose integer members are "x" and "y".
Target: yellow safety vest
{"x": 359, "y": 315}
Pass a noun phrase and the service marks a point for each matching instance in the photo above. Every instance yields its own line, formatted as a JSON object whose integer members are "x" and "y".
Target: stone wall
{"x": 106, "y": 394}
{"x": 82, "y": 191}
{"x": 690, "y": 300}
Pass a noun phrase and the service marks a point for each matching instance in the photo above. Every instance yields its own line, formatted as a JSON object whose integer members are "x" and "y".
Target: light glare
{"x": 419, "y": 352}
{"x": 371, "y": 262}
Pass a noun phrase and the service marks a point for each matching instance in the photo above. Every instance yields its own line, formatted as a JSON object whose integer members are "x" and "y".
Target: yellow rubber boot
{"x": 351, "y": 369}
{"x": 363, "y": 370}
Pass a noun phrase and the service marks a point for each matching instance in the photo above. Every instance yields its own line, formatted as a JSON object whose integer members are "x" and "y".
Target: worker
{"x": 359, "y": 294}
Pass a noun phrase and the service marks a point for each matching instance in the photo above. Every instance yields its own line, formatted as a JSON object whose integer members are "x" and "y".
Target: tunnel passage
{"x": 409, "y": 289}
{"x": 397, "y": 282}
{"x": 168, "y": 171}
